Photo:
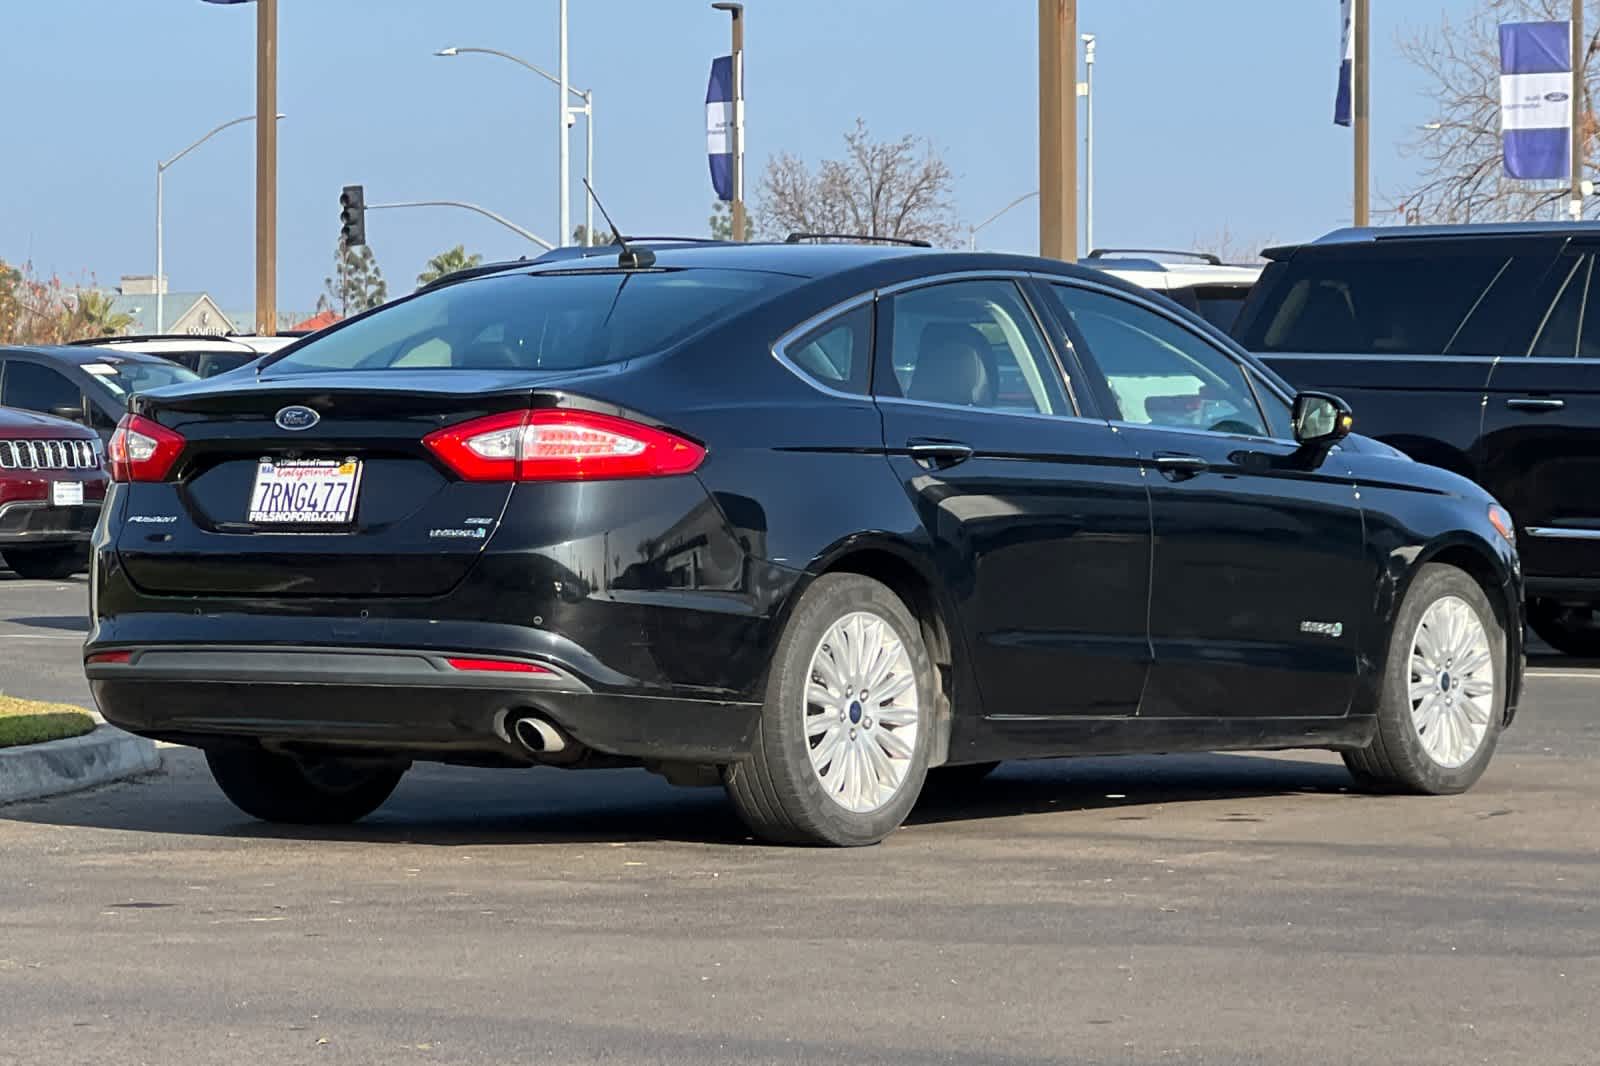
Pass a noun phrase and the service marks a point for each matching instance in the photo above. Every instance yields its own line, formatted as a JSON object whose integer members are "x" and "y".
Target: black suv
{"x": 1474, "y": 348}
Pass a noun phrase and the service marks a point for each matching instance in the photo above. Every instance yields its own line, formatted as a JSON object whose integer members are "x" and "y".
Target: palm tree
{"x": 448, "y": 262}
{"x": 93, "y": 314}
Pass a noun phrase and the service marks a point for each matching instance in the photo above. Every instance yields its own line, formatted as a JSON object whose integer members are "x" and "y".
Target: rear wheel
{"x": 281, "y": 788}
{"x": 1444, "y": 690}
{"x": 48, "y": 564}
{"x": 841, "y": 750}
{"x": 1569, "y": 630}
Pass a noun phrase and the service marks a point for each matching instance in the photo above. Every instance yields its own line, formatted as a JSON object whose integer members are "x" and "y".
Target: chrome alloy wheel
{"x": 1452, "y": 682}
{"x": 861, "y": 712}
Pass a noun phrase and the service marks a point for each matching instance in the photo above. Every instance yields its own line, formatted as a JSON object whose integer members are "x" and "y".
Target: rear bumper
{"x": 399, "y": 701}
{"x": 37, "y": 522}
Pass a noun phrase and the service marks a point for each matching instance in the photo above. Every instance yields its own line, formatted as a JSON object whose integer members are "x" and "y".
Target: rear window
{"x": 121, "y": 378}
{"x": 1404, "y": 300}
{"x": 540, "y": 321}
{"x": 1217, "y": 304}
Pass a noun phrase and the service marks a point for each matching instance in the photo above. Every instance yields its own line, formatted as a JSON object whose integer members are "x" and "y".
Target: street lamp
{"x": 972, "y": 232}
{"x": 1088, "y": 142}
{"x": 567, "y": 116}
{"x": 161, "y": 172}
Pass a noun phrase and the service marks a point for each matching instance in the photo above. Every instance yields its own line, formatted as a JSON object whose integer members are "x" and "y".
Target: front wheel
{"x": 281, "y": 788}
{"x": 841, "y": 750}
{"x": 1569, "y": 630}
{"x": 1444, "y": 690}
{"x": 48, "y": 563}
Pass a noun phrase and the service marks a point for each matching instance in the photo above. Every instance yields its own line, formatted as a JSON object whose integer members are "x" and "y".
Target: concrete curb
{"x": 105, "y": 755}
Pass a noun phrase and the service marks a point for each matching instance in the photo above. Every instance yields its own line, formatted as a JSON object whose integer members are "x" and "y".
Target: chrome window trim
{"x": 1561, "y": 533}
{"x": 779, "y": 348}
{"x": 1002, "y": 412}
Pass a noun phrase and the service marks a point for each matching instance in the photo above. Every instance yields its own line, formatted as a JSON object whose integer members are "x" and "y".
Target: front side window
{"x": 1159, "y": 373}
{"x": 838, "y": 353}
{"x": 970, "y": 344}
{"x": 542, "y": 320}
{"x": 38, "y": 388}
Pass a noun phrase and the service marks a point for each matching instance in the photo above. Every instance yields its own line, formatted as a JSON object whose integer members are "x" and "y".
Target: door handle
{"x": 936, "y": 454}
{"x": 1179, "y": 466}
{"x": 1535, "y": 403}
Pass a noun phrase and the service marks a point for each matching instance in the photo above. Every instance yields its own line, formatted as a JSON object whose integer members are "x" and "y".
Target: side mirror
{"x": 1321, "y": 420}
{"x": 71, "y": 412}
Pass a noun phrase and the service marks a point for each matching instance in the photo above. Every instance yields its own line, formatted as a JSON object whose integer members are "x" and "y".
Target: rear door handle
{"x": 1535, "y": 403}
{"x": 936, "y": 454}
{"x": 1179, "y": 465}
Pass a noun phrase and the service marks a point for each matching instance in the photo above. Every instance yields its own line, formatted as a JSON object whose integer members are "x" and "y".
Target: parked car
{"x": 806, "y": 519}
{"x": 206, "y": 355}
{"x": 1473, "y": 348}
{"x": 89, "y": 386}
{"x": 1199, "y": 281}
{"x": 51, "y": 487}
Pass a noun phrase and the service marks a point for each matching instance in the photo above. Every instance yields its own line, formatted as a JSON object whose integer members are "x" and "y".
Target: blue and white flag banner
{"x": 1536, "y": 99}
{"x": 719, "y": 126}
{"x": 1347, "y": 59}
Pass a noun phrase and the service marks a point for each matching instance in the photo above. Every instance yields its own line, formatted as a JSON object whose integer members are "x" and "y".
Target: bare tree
{"x": 1231, "y": 247}
{"x": 1462, "y": 177}
{"x": 899, "y": 188}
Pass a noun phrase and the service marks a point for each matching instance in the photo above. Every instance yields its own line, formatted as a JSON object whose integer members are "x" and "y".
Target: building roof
{"x": 143, "y": 310}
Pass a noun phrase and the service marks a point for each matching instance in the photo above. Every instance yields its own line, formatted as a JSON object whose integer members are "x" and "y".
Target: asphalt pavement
{"x": 1187, "y": 909}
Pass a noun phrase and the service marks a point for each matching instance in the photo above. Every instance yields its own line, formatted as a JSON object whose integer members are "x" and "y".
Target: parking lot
{"x": 1221, "y": 908}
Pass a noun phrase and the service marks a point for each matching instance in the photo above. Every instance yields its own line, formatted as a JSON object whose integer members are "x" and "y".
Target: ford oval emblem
{"x": 297, "y": 417}
{"x": 1555, "y": 98}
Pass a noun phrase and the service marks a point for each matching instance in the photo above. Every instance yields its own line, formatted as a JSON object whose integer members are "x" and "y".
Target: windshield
{"x": 540, "y": 321}
{"x": 121, "y": 378}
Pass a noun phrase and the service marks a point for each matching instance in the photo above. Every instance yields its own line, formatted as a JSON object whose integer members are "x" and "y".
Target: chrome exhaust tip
{"x": 538, "y": 735}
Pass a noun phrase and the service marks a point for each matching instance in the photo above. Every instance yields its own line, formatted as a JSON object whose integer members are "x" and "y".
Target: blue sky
{"x": 1208, "y": 115}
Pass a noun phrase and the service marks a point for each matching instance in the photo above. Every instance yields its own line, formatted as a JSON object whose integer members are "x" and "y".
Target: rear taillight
{"x": 561, "y": 445}
{"x": 141, "y": 450}
{"x": 111, "y": 658}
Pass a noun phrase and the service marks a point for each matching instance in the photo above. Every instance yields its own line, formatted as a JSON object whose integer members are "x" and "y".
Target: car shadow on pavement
{"x": 451, "y": 807}
{"x": 72, "y": 623}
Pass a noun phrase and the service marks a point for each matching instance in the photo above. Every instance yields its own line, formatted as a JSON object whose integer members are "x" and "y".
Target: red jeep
{"x": 52, "y": 482}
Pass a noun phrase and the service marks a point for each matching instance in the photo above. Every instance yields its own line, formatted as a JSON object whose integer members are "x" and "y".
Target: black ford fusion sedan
{"x": 814, "y": 521}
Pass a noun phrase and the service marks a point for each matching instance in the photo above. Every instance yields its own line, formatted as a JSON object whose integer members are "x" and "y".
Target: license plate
{"x": 66, "y": 494}
{"x": 311, "y": 492}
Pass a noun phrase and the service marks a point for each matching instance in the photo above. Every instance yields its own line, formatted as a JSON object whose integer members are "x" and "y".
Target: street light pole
{"x": 587, "y": 110}
{"x": 161, "y": 173}
{"x": 1361, "y": 117}
{"x": 588, "y": 165}
{"x": 736, "y": 135}
{"x": 1088, "y": 144}
{"x": 484, "y": 211}
{"x": 972, "y": 233}
{"x": 564, "y": 124}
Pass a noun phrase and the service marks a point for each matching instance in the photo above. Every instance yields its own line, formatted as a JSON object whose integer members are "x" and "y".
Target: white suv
{"x": 1210, "y": 288}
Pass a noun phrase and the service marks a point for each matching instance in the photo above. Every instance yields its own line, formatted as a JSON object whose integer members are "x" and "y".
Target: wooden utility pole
{"x": 266, "y": 167}
{"x": 1058, "y": 129}
{"x": 1360, "y": 111}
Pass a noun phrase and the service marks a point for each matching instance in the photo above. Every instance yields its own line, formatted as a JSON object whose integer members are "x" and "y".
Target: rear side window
{"x": 1412, "y": 299}
{"x": 970, "y": 344}
{"x": 537, "y": 321}
{"x": 838, "y": 353}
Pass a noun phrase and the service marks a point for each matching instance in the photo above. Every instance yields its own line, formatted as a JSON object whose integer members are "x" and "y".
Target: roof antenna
{"x": 631, "y": 258}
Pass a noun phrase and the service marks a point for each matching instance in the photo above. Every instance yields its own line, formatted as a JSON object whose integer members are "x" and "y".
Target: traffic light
{"x": 353, "y": 216}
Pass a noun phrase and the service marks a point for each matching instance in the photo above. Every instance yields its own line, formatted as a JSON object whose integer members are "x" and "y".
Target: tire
{"x": 279, "y": 788}
{"x": 1435, "y": 750}
{"x": 855, "y": 797}
{"x": 48, "y": 564}
{"x": 1569, "y": 630}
